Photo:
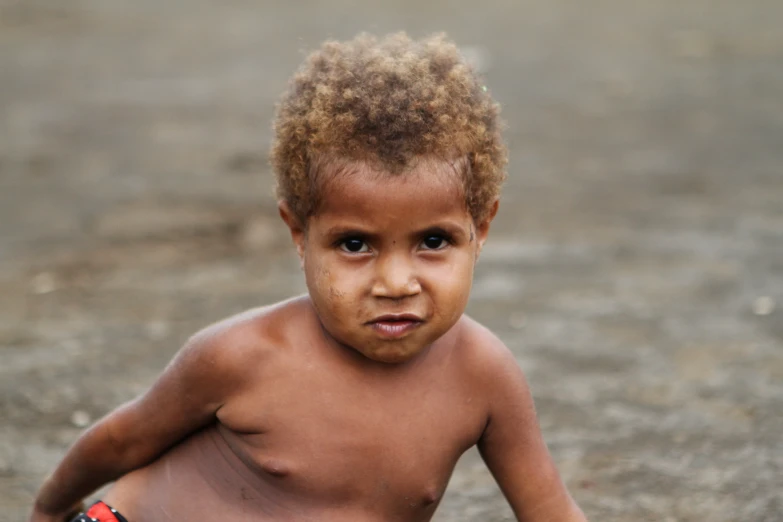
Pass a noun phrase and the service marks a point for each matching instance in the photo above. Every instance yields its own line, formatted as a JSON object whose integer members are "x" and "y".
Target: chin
{"x": 391, "y": 354}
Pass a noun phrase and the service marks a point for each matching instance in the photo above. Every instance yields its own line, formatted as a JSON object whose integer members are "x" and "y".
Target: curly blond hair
{"x": 387, "y": 102}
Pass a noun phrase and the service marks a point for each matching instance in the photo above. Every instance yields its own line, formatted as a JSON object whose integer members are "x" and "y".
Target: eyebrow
{"x": 448, "y": 227}
{"x": 342, "y": 231}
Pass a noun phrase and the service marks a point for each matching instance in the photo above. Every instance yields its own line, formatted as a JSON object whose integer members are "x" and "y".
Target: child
{"x": 353, "y": 402}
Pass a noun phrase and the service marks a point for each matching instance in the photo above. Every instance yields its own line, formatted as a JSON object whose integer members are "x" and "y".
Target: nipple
{"x": 275, "y": 468}
{"x": 431, "y": 495}
{"x": 428, "y": 497}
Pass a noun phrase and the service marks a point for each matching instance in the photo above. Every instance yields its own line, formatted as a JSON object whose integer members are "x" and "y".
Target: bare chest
{"x": 355, "y": 440}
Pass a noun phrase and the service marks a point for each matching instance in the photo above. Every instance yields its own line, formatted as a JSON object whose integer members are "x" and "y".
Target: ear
{"x": 482, "y": 228}
{"x": 295, "y": 226}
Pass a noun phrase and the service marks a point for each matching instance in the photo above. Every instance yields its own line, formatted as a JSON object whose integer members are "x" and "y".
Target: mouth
{"x": 395, "y": 325}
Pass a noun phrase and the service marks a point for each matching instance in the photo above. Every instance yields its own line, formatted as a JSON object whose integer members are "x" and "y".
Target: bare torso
{"x": 321, "y": 434}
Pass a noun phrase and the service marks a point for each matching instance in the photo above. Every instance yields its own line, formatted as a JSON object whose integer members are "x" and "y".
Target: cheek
{"x": 452, "y": 282}
{"x": 327, "y": 284}
{"x": 318, "y": 276}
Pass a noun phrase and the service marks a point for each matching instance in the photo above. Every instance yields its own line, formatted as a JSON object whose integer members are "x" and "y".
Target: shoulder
{"x": 482, "y": 349}
{"x": 491, "y": 366}
{"x": 247, "y": 338}
{"x": 215, "y": 366}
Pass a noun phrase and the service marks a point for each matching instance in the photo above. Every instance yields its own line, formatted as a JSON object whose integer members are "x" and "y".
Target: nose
{"x": 395, "y": 277}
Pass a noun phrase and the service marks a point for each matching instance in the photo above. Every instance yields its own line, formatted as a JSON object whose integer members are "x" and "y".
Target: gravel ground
{"x": 636, "y": 267}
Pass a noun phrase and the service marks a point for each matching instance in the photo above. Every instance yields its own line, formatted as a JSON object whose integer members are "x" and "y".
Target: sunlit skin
{"x": 351, "y": 403}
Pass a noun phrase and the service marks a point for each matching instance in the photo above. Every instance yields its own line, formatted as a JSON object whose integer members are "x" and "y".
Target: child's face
{"x": 389, "y": 259}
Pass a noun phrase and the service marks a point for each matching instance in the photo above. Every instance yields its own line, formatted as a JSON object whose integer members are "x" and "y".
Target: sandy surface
{"x": 636, "y": 268}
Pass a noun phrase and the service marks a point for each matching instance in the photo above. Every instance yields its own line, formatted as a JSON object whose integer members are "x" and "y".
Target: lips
{"x": 395, "y": 325}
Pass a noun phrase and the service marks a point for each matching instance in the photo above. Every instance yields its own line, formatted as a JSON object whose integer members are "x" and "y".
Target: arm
{"x": 514, "y": 450}
{"x": 186, "y": 397}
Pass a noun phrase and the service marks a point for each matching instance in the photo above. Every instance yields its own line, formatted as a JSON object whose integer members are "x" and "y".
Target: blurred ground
{"x": 634, "y": 268}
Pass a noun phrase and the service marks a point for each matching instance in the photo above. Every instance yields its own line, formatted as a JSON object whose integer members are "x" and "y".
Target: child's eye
{"x": 354, "y": 245}
{"x": 434, "y": 242}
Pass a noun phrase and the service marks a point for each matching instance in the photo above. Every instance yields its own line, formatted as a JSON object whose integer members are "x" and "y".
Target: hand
{"x": 40, "y": 516}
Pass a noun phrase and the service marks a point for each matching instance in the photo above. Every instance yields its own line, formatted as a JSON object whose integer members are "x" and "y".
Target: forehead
{"x": 430, "y": 189}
